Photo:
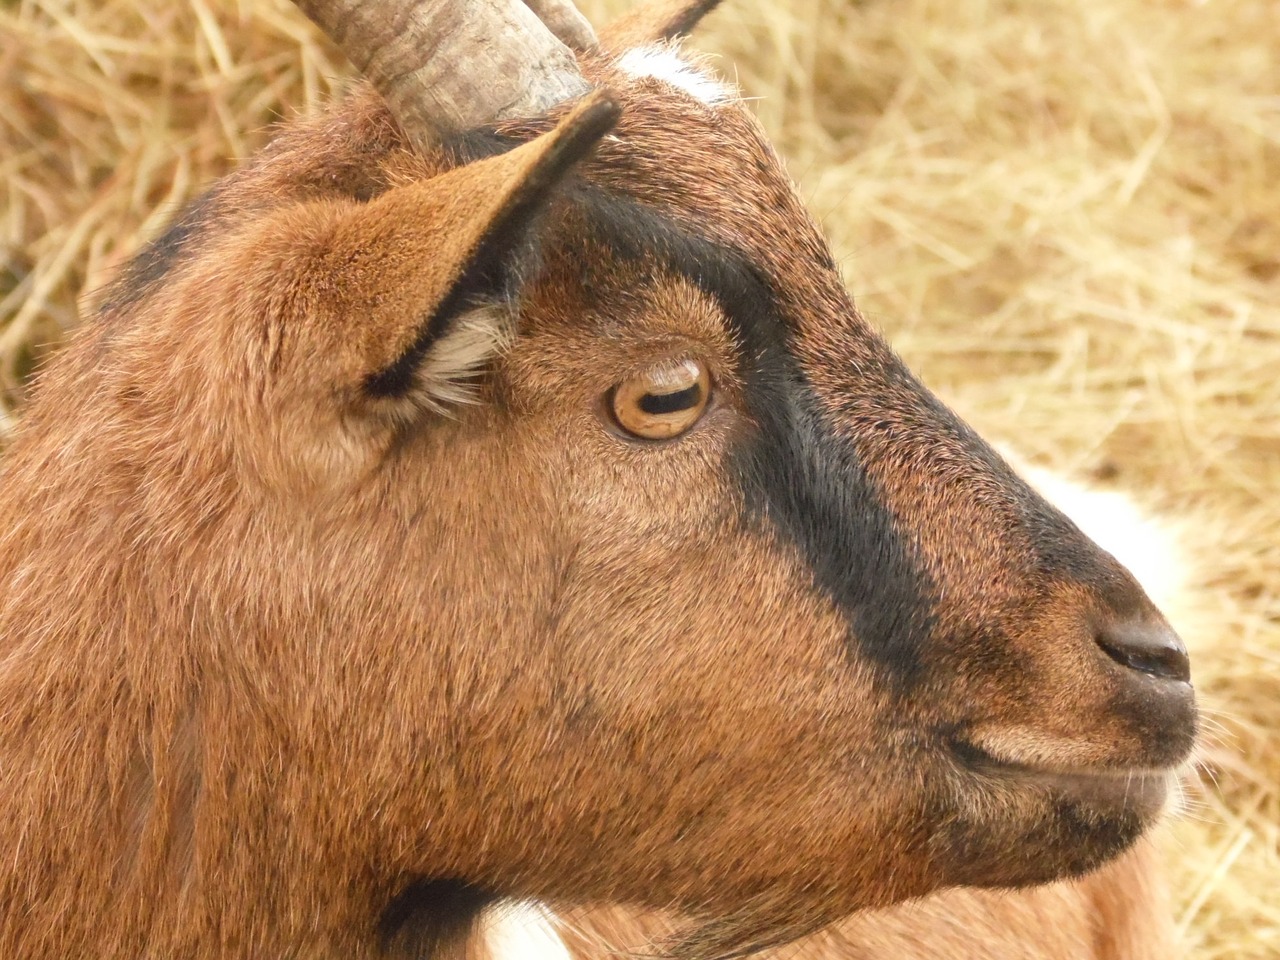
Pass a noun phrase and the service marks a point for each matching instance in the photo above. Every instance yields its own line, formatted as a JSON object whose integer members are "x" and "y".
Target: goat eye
{"x": 663, "y": 402}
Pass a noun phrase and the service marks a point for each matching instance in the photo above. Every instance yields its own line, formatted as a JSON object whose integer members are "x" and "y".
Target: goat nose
{"x": 1147, "y": 647}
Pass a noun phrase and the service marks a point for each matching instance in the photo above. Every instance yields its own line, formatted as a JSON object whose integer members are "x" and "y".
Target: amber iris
{"x": 663, "y": 402}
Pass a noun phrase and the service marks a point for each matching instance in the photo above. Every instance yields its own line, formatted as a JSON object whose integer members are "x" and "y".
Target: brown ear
{"x": 374, "y": 288}
{"x": 654, "y": 21}
{"x": 482, "y": 252}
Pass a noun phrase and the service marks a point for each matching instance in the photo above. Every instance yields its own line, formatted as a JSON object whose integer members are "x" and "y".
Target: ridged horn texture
{"x": 449, "y": 65}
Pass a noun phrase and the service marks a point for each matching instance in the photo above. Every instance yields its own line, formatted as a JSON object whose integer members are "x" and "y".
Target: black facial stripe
{"x": 795, "y": 473}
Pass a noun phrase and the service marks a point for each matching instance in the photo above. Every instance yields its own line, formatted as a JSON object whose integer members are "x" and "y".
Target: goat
{"x": 490, "y": 491}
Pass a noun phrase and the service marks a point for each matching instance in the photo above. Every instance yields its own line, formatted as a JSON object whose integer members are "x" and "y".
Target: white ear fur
{"x": 443, "y": 379}
{"x": 521, "y": 930}
{"x": 664, "y": 62}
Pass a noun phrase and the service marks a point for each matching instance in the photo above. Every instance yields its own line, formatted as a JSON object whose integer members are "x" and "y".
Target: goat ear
{"x": 655, "y": 21}
{"x": 380, "y": 299}
{"x": 510, "y": 191}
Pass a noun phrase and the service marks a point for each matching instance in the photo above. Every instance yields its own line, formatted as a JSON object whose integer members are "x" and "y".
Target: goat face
{"x": 814, "y": 648}
{"x": 828, "y": 618}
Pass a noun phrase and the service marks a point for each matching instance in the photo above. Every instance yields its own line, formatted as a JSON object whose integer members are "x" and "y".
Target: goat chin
{"x": 1120, "y": 912}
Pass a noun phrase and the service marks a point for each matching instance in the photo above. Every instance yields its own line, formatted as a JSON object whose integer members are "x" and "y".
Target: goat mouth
{"x": 1141, "y": 790}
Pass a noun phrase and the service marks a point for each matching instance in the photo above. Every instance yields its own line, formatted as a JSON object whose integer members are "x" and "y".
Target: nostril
{"x": 1148, "y": 648}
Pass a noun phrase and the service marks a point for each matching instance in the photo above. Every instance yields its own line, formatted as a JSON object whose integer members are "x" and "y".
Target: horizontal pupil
{"x": 656, "y": 404}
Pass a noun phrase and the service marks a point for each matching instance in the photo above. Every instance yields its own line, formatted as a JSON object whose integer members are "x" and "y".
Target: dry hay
{"x": 1066, "y": 216}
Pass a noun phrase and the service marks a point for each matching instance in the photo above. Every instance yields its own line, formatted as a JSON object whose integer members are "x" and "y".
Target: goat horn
{"x": 449, "y": 65}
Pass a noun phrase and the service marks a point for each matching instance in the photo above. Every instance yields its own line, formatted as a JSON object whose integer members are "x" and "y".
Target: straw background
{"x": 1064, "y": 213}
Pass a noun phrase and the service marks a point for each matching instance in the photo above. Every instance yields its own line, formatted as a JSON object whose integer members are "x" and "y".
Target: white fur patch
{"x": 445, "y": 377}
{"x": 664, "y": 62}
{"x": 521, "y": 930}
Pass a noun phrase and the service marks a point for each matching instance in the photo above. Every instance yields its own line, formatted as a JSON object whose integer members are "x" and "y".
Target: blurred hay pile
{"x": 1066, "y": 215}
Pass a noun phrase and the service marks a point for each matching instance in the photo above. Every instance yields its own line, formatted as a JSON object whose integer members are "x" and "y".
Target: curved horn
{"x": 448, "y": 65}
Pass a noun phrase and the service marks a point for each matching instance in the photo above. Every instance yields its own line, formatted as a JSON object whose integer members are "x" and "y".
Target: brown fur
{"x": 278, "y": 646}
{"x": 1121, "y": 912}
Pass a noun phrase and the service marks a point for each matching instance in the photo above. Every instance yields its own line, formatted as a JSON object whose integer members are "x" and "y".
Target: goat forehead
{"x": 680, "y": 123}
{"x": 666, "y": 63}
